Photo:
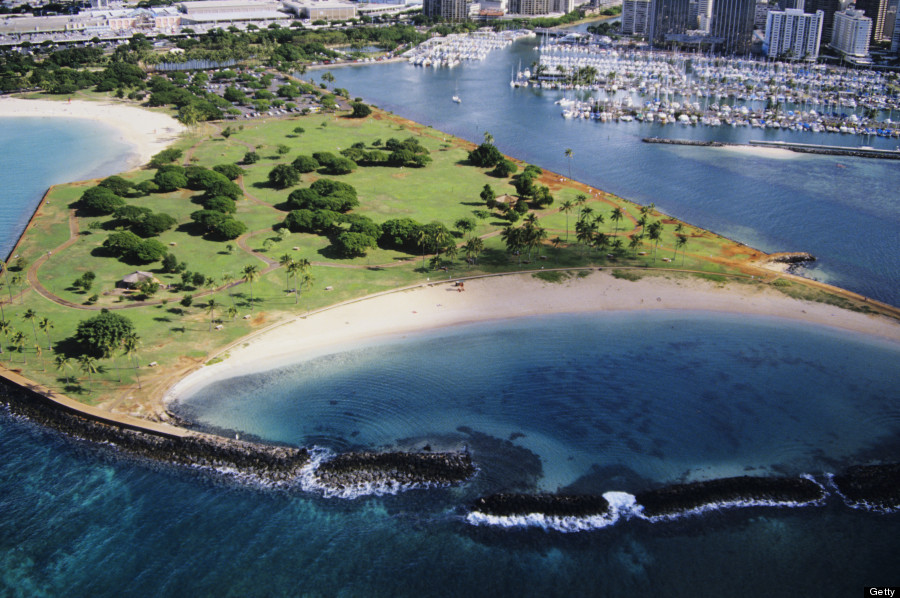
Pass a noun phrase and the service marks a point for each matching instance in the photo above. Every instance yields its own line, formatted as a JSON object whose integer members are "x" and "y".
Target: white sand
{"x": 146, "y": 131}
{"x": 512, "y": 296}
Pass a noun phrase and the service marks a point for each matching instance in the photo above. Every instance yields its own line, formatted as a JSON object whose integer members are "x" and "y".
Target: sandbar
{"x": 440, "y": 304}
{"x": 148, "y": 132}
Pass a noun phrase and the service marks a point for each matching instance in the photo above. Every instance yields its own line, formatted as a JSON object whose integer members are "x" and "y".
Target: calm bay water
{"x": 845, "y": 211}
{"x": 39, "y": 152}
{"x": 635, "y": 403}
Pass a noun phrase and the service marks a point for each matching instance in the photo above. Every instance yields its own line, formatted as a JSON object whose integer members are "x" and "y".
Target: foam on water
{"x": 621, "y": 506}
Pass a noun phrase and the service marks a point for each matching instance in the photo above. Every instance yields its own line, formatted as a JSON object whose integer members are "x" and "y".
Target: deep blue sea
{"x": 583, "y": 403}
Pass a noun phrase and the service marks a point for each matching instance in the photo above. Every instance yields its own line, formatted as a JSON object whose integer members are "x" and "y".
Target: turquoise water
{"x": 39, "y": 152}
{"x": 845, "y": 211}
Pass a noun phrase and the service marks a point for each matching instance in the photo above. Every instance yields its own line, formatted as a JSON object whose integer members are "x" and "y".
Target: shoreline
{"x": 439, "y": 305}
{"x": 146, "y": 131}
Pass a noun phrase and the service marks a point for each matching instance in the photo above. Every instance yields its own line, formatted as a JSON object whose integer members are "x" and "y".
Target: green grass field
{"x": 176, "y": 338}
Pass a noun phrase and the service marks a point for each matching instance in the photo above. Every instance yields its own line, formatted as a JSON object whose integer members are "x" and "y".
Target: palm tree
{"x": 513, "y": 238}
{"x": 88, "y": 365}
{"x": 654, "y": 231}
{"x": 5, "y": 329}
{"x": 130, "y": 345}
{"x": 40, "y": 354}
{"x": 18, "y": 341}
{"x": 300, "y": 268}
{"x": 421, "y": 241}
{"x": 616, "y": 215}
{"x": 566, "y": 207}
{"x": 31, "y": 315}
{"x": 602, "y": 241}
{"x": 488, "y": 138}
{"x": 580, "y": 199}
{"x": 3, "y": 271}
{"x": 635, "y": 242}
{"x": 251, "y": 273}
{"x": 681, "y": 241}
{"x": 45, "y": 325}
{"x": 556, "y": 242}
{"x": 569, "y": 156}
{"x": 473, "y": 247}
{"x": 439, "y": 237}
{"x": 451, "y": 252}
{"x": 211, "y": 306}
{"x": 13, "y": 282}
{"x": 285, "y": 261}
{"x": 232, "y": 312}
{"x": 63, "y": 364}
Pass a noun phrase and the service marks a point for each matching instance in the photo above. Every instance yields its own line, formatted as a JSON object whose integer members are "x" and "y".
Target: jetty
{"x": 803, "y": 148}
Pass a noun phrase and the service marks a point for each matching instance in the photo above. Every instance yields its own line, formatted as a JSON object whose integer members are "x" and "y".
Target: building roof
{"x": 138, "y": 277}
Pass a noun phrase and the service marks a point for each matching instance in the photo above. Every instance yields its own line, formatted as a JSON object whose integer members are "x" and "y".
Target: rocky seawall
{"x": 363, "y": 473}
{"x": 551, "y": 505}
{"x": 665, "y": 141}
{"x": 871, "y": 486}
{"x": 682, "y": 498}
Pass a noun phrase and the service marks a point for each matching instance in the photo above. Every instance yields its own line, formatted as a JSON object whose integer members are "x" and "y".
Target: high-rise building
{"x": 563, "y": 6}
{"x": 668, "y": 17}
{"x": 761, "y": 13}
{"x": 635, "y": 17}
{"x": 447, "y": 10}
{"x": 852, "y": 31}
{"x": 895, "y": 39}
{"x": 877, "y": 11}
{"x": 704, "y": 14}
{"x": 793, "y": 33}
{"x": 732, "y": 22}
{"x": 529, "y": 7}
{"x": 829, "y": 7}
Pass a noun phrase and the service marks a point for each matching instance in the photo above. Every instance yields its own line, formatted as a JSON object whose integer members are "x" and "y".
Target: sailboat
{"x": 456, "y": 97}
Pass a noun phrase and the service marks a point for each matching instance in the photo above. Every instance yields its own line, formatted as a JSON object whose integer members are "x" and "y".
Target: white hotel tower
{"x": 794, "y": 34}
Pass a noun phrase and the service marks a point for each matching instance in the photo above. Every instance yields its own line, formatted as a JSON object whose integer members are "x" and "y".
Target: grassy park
{"x": 44, "y": 300}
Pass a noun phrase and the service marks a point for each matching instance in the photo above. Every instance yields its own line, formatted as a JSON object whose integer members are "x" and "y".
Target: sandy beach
{"x": 513, "y": 296}
{"x": 147, "y": 131}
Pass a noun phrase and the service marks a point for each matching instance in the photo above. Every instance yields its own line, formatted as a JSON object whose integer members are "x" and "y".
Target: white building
{"x": 852, "y": 29}
{"x": 793, "y": 33}
{"x": 635, "y": 17}
{"x": 895, "y": 39}
{"x": 216, "y": 11}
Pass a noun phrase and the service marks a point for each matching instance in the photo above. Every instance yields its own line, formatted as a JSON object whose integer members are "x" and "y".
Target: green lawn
{"x": 178, "y": 338}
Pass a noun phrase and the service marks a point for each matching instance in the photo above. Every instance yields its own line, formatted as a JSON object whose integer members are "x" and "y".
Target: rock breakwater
{"x": 874, "y": 487}
{"x": 745, "y": 490}
{"x": 555, "y": 505}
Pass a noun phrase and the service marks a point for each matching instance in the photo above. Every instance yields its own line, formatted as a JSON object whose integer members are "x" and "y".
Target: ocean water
{"x": 39, "y": 152}
{"x": 845, "y": 211}
{"x": 680, "y": 396}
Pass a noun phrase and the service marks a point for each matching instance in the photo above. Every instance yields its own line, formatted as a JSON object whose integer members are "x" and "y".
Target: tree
{"x": 154, "y": 224}
{"x": 569, "y": 156}
{"x": 117, "y": 185}
{"x": 100, "y": 200}
{"x": 18, "y": 341}
{"x": 63, "y": 364}
{"x": 250, "y": 158}
{"x": 485, "y": 155}
{"x": 165, "y": 157}
{"x": 635, "y": 242}
{"x": 488, "y": 138}
{"x": 465, "y": 225}
{"x": 285, "y": 261}
{"x": 514, "y": 240}
{"x": 130, "y": 345}
{"x": 148, "y": 251}
{"x": 299, "y": 268}
{"x": 473, "y": 248}
{"x": 88, "y": 365}
{"x": 654, "y": 231}
{"x": 31, "y": 316}
{"x": 354, "y": 244}
{"x": 251, "y": 273}
{"x": 360, "y": 110}
{"x": 283, "y": 176}
{"x": 681, "y": 241}
{"x": 169, "y": 180}
{"x": 488, "y": 196}
{"x": 3, "y": 269}
{"x": 504, "y": 168}
{"x": 566, "y": 207}
{"x": 616, "y": 216}
{"x": 229, "y": 171}
{"x": 98, "y": 334}
{"x": 211, "y": 307}
{"x": 305, "y": 164}
{"x": 46, "y": 325}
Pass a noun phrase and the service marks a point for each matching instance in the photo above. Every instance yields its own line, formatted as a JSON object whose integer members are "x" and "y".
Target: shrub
{"x": 100, "y": 200}
{"x": 305, "y": 164}
{"x": 283, "y": 176}
{"x": 103, "y": 334}
{"x": 148, "y": 251}
{"x": 229, "y": 171}
{"x": 154, "y": 224}
{"x": 165, "y": 157}
{"x": 168, "y": 181}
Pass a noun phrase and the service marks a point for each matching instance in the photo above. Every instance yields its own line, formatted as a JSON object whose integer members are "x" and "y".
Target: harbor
{"x": 454, "y": 49}
{"x": 611, "y": 83}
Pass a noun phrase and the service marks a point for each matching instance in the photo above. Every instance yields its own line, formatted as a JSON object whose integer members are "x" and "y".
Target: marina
{"x": 456, "y": 48}
{"x": 617, "y": 84}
